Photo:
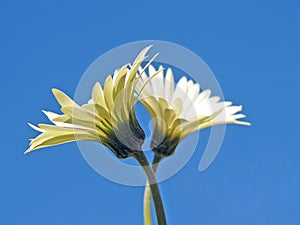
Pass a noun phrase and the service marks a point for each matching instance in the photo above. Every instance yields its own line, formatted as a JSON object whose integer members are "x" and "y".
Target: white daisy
{"x": 180, "y": 110}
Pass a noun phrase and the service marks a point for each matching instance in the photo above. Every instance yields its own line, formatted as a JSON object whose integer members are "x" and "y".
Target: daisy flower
{"x": 178, "y": 110}
{"x": 108, "y": 117}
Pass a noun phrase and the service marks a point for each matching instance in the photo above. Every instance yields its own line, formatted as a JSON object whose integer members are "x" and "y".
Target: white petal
{"x": 36, "y": 128}
{"x": 153, "y": 81}
{"x": 204, "y": 108}
{"x": 190, "y": 98}
{"x": 233, "y": 109}
{"x": 228, "y": 114}
{"x": 242, "y": 123}
{"x": 160, "y": 83}
{"x": 190, "y": 84}
{"x": 201, "y": 105}
{"x": 214, "y": 100}
{"x": 169, "y": 84}
{"x": 151, "y": 70}
{"x": 50, "y": 115}
{"x": 203, "y": 95}
{"x": 180, "y": 90}
{"x": 238, "y": 116}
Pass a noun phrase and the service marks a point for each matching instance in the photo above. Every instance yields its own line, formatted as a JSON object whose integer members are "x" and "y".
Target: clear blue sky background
{"x": 253, "y": 48}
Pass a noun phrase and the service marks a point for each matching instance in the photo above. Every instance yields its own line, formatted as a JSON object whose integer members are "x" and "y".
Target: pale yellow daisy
{"x": 108, "y": 117}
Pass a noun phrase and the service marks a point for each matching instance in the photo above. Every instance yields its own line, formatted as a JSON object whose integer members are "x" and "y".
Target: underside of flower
{"x": 108, "y": 118}
{"x": 179, "y": 110}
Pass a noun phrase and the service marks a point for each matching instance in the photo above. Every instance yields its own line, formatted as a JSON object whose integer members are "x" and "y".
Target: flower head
{"x": 179, "y": 110}
{"x": 108, "y": 117}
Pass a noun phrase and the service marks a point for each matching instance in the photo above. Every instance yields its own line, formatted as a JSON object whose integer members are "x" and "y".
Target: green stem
{"x": 147, "y": 195}
{"x": 153, "y": 186}
{"x": 147, "y": 206}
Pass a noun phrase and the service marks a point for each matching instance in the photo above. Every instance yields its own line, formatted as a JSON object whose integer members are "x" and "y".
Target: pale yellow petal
{"x": 108, "y": 92}
{"x": 62, "y": 98}
{"x": 152, "y": 106}
{"x": 98, "y": 95}
{"x": 54, "y": 138}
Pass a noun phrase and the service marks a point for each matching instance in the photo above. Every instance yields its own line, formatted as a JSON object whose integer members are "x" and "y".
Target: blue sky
{"x": 252, "y": 47}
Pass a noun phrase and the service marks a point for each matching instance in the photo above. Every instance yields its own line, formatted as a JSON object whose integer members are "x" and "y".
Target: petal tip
{"x": 54, "y": 90}
{"x": 27, "y": 151}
